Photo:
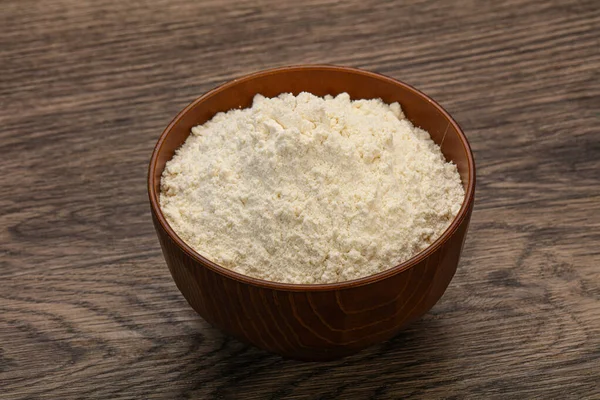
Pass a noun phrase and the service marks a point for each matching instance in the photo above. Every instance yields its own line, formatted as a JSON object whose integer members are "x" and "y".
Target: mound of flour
{"x": 305, "y": 189}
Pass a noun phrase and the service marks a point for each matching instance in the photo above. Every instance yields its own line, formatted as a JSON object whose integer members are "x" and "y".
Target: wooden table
{"x": 87, "y": 306}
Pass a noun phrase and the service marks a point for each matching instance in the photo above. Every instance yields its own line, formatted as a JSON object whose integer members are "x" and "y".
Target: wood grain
{"x": 88, "y": 308}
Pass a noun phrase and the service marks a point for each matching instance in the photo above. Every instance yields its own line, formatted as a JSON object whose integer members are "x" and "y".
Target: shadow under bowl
{"x": 325, "y": 321}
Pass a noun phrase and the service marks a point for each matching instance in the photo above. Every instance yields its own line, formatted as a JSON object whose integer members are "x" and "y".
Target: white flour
{"x": 304, "y": 189}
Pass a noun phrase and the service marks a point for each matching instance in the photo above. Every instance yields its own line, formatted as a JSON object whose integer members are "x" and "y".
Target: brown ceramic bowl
{"x": 325, "y": 321}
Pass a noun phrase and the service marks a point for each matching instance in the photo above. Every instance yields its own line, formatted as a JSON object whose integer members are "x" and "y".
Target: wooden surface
{"x": 87, "y": 306}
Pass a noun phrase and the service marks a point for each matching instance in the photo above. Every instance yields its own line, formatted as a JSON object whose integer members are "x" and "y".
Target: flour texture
{"x": 306, "y": 189}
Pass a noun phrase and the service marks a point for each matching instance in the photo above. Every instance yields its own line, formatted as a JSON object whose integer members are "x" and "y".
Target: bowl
{"x": 321, "y": 321}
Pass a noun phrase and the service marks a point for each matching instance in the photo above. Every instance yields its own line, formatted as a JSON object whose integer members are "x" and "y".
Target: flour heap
{"x": 305, "y": 189}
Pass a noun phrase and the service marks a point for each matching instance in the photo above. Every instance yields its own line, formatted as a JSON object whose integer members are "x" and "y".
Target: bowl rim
{"x": 281, "y": 286}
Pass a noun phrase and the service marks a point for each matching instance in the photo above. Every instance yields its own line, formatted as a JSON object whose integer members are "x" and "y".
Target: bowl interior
{"x": 320, "y": 80}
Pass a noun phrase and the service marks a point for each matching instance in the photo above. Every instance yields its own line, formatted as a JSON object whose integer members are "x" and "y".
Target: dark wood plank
{"x": 87, "y": 306}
